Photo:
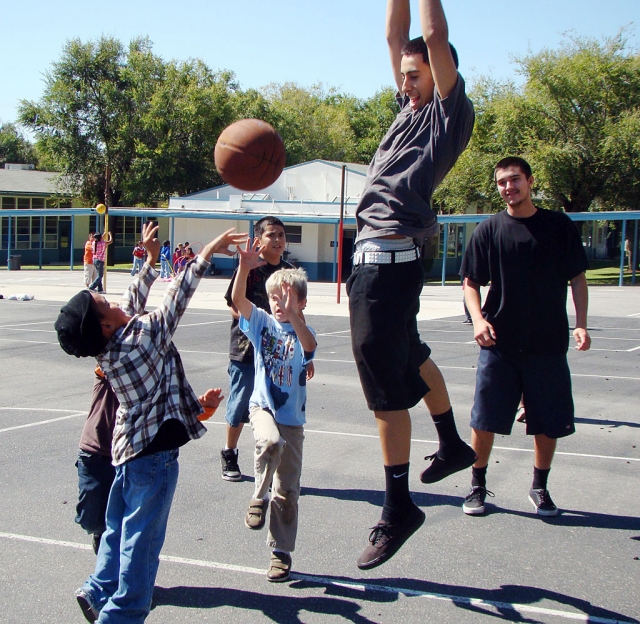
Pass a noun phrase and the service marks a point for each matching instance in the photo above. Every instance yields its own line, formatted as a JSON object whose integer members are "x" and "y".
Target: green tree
{"x": 127, "y": 127}
{"x": 313, "y": 123}
{"x": 575, "y": 120}
{"x": 14, "y": 147}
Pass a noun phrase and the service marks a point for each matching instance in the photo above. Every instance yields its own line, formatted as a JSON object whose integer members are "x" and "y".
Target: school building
{"x": 316, "y": 200}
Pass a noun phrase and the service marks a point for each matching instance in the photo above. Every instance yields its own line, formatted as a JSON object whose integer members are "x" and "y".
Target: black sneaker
{"x": 442, "y": 468}
{"x": 386, "y": 539}
{"x": 88, "y": 611}
{"x": 474, "y": 503}
{"x": 230, "y": 468}
{"x": 541, "y": 500}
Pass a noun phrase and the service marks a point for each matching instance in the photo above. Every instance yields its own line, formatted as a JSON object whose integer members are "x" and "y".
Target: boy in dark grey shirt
{"x": 394, "y": 216}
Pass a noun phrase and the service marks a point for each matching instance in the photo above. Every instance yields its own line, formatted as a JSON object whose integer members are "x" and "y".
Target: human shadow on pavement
{"x": 567, "y": 517}
{"x": 376, "y": 497}
{"x": 606, "y": 423}
{"x": 502, "y": 603}
{"x": 343, "y": 597}
{"x": 279, "y": 608}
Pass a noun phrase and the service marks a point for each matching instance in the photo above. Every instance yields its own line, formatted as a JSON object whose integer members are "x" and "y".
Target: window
{"x": 37, "y": 203}
{"x": 24, "y": 203}
{"x": 128, "y": 231}
{"x": 455, "y": 242}
{"x": 8, "y": 203}
{"x": 294, "y": 233}
{"x": 25, "y": 233}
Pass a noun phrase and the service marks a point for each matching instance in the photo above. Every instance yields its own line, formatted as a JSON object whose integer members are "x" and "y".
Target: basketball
{"x": 250, "y": 154}
{"x": 101, "y": 209}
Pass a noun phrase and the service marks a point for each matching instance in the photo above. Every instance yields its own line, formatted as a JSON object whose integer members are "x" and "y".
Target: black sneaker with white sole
{"x": 386, "y": 538}
{"x": 541, "y": 500}
{"x": 474, "y": 502}
{"x": 230, "y": 468}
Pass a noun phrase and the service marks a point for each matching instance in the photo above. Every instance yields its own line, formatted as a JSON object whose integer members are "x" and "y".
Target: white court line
{"x": 501, "y": 448}
{"x": 28, "y": 329}
{"x": 363, "y": 587}
{"x": 42, "y": 422}
{"x": 28, "y": 341}
{"x": 25, "y": 324}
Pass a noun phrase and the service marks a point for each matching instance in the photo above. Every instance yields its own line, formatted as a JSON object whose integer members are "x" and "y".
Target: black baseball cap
{"x": 78, "y": 327}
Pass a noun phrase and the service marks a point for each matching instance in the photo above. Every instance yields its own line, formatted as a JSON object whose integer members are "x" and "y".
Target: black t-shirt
{"x": 240, "y": 348}
{"x": 528, "y": 263}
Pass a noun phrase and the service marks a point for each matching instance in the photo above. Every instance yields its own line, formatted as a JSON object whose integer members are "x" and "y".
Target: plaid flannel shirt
{"x": 144, "y": 367}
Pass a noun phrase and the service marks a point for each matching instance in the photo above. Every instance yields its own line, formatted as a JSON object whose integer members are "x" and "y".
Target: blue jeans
{"x": 165, "y": 268}
{"x": 95, "y": 476}
{"x": 97, "y": 283}
{"x": 121, "y": 587}
{"x": 138, "y": 263}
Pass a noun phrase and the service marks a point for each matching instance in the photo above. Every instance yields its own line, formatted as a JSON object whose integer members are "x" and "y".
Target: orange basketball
{"x": 250, "y": 154}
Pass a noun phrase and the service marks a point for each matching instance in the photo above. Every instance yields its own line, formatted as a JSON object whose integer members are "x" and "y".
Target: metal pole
{"x": 444, "y": 253}
{"x": 106, "y": 255}
{"x": 41, "y": 243}
{"x": 624, "y": 234}
{"x": 341, "y": 230}
{"x": 634, "y": 253}
{"x": 73, "y": 222}
{"x": 9, "y": 245}
{"x": 334, "y": 275}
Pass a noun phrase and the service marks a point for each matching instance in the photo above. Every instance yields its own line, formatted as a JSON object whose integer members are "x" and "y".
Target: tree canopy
{"x": 14, "y": 147}
{"x": 576, "y": 120}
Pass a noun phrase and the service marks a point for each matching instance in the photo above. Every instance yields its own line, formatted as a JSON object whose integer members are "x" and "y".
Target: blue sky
{"x": 339, "y": 43}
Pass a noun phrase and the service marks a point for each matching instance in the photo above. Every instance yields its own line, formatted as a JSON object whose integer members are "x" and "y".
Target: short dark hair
{"x": 97, "y": 236}
{"x": 261, "y": 225}
{"x": 513, "y": 161}
{"x": 166, "y": 243}
{"x": 418, "y": 46}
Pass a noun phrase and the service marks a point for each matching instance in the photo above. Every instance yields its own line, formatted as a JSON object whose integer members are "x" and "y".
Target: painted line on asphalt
{"x": 521, "y": 609}
{"x": 307, "y": 431}
{"x": 42, "y": 422}
{"x": 28, "y": 341}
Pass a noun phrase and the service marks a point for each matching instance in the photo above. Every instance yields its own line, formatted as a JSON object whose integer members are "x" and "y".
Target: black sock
{"x": 448, "y": 436}
{"x": 479, "y": 477}
{"x": 540, "y": 478}
{"x": 396, "y": 498}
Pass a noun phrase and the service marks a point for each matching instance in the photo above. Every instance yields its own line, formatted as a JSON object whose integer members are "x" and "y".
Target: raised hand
{"x": 250, "y": 255}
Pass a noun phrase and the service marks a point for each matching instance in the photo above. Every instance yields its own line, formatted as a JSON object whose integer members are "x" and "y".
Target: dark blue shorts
{"x": 544, "y": 383}
{"x": 95, "y": 476}
{"x": 384, "y": 301}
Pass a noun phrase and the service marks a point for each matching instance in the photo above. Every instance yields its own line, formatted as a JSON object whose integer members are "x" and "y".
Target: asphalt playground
{"x": 508, "y": 565}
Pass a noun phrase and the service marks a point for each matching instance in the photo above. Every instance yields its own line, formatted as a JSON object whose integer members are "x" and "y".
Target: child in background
{"x": 165, "y": 261}
{"x": 138, "y": 258}
{"x": 95, "y": 471}
{"x": 283, "y": 346}
{"x": 89, "y": 269}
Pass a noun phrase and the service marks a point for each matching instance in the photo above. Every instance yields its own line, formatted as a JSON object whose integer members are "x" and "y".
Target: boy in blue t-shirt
{"x": 284, "y": 346}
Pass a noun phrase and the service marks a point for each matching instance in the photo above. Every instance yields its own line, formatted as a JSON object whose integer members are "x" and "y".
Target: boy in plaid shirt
{"x": 158, "y": 413}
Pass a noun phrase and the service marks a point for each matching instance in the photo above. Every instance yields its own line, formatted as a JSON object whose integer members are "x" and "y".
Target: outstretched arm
{"x": 249, "y": 259}
{"x": 436, "y": 35}
{"x": 398, "y": 22}
{"x": 580, "y": 295}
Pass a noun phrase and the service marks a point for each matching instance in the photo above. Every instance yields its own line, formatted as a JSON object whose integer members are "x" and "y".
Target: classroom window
{"x": 294, "y": 234}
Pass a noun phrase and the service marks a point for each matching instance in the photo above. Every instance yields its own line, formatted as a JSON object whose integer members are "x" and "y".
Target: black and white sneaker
{"x": 474, "y": 503}
{"x": 230, "y": 468}
{"x": 463, "y": 457}
{"x": 541, "y": 500}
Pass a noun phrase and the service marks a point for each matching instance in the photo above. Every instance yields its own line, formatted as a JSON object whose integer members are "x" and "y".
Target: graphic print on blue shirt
{"x": 278, "y": 352}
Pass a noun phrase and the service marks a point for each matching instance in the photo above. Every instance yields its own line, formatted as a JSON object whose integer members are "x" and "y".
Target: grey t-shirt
{"x": 416, "y": 154}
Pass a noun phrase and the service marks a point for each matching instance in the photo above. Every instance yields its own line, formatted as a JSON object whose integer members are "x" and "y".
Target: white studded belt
{"x": 386, "y": 257}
